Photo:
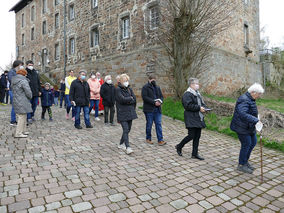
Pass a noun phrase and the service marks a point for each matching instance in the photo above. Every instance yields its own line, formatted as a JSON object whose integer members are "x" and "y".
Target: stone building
{"x": 109, "y": 36}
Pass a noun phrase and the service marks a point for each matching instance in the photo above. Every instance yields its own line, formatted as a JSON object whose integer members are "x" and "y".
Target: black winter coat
{"x": 80, "y": 93}
{"x": 148, "y": 97}
{"x": 107, "y": 93}
{"x": 125, "y": 103}
{"x": 191, "y": 111}
{"x": 34, "y": 82}
{"x": 245, "y": 115}
{"x": 3, "y": 81}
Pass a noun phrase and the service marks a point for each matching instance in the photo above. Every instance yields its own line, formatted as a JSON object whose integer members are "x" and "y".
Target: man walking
{"x": 152, "y": 101}
{"x": 3, "y": 87}
{"x": 17, "y": 65}
{"x": 80, "y": 98}
{"x": 34, "y": 83}
{"x": 62, "y": 93}
{"x": 68, "y": 82}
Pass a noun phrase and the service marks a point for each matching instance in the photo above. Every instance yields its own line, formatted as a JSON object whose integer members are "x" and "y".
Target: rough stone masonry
{"x": 111, "y": 37}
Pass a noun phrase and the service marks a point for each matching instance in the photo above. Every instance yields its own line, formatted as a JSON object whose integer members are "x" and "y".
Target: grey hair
{"x": 257, "y": 88}
{"x": 192, "y": 80}
{"x": 107, "y": 77}
{"x": 82, "y": 71}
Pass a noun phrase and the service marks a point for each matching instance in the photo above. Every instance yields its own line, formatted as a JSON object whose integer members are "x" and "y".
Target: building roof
{"x": 20, "y": 5}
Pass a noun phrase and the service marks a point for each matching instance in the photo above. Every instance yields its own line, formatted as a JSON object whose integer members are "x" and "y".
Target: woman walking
{"x": 95, "y": 88}
{"x": 125, "y": 105}
{"x": 108, "y": 95}
{"x": 194, "y": 108}
{"x": 243, "y": 123}
{"x": 22, "y": 95}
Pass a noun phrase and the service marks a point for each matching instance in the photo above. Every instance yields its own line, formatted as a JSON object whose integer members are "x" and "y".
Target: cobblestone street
{"x": 61, "y": 169}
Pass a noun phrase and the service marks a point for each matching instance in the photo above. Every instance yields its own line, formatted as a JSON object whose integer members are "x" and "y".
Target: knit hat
{"x": 47, "y": 84}
{"x": 22, "y": 72}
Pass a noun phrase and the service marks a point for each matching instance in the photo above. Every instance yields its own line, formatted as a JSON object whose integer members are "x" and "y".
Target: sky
{"x": 271, "y": 18}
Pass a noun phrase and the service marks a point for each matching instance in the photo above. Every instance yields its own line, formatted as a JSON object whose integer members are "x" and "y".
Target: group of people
{"x": 81, "y": 93}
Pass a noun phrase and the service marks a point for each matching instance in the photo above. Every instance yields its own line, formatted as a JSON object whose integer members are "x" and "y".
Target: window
{"x": 23, "y": 59}
{"x": 71, "y": 46}
{"x": 154, "y": 17}
{"x": 246, "y": 1}
{"x": 71, "y": 12}
{"x": 23, "y": 20}
{"x": 246, "y": 35}
{"x": 56, "y": 2}
{"x": 56, "y": 52}
{"x": 33, "y": 13}
{"x": 94, "y": 37}
{"x": 44, "y": 6}
{"x": 94, "y": 3}
{"x": 125, "y": 27}
{"x": 32, "y": 33}
{"x": 23, "y": 39}
{"x": 44, "y": 27}
{"x": 56, "y": 20}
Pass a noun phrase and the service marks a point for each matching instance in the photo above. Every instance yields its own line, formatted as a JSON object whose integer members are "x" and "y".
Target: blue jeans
{"x": 13, "y": 114}
{"x": 62, "y": 96}
{"x": 56, "y": 101}
{"x": 69, "y": 106}
{"x": 34, "y": 102}
{"x": 86, "y": 115}
{"x": 248, "y": 142}
{"x": 155, "y": 116}
{"x": 96, "y": 104}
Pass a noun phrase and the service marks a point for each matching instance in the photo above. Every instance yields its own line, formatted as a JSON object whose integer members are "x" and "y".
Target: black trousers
{"x": 44, "y": 108}
{"x": 126, "y": 127}
{"x": 193, "y": 134}
{"x": 2, "y": 94}
{"x": 111, "y": 110}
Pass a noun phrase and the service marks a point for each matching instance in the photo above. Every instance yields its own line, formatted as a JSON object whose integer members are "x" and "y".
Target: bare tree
{"x": 187, "y": 31}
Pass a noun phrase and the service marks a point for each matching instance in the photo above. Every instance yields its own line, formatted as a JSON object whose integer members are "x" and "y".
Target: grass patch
{"x": 221, "y": 124}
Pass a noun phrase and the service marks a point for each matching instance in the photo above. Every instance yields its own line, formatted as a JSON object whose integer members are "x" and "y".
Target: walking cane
{"x": 258, "y": 127}
{"x": 261, "y": 162}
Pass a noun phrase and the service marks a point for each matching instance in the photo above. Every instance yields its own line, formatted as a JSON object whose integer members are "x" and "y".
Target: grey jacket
{"x": 21, "y": 95}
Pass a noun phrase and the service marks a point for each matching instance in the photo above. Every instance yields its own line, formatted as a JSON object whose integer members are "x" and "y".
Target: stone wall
{"x": 230, "y": 67}
{"x": 229, "y": 72}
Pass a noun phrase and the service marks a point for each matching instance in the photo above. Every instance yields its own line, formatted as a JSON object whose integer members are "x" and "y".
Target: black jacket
{"x": 62, "y": 87}
{"x": 149, "y": 95}
{"x": 107, "y": 93}
{"x": 3, "y": 81}
{"x": 245, "y": 115}
{"x": 34, "y": 82}
{"x": 125, "y": 103}
{"x": 191, "y": 111}
{"x": 80, "y": 93}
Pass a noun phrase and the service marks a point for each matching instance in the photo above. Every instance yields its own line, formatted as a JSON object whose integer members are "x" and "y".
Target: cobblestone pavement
{"x": 62, "y": 169}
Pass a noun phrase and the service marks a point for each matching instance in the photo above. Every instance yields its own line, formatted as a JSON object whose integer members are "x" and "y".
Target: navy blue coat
{"x": 245, "y": 115}
{"x": 148, "y": 96}
{"x": 47, "y": 98}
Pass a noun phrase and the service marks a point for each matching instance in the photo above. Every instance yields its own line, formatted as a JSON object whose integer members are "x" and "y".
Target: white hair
{"x": 107, "y": 77}
{"x": 256, "y": 88}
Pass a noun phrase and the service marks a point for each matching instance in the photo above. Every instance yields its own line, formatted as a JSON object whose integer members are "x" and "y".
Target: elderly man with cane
{"x": 244, "y": 122}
